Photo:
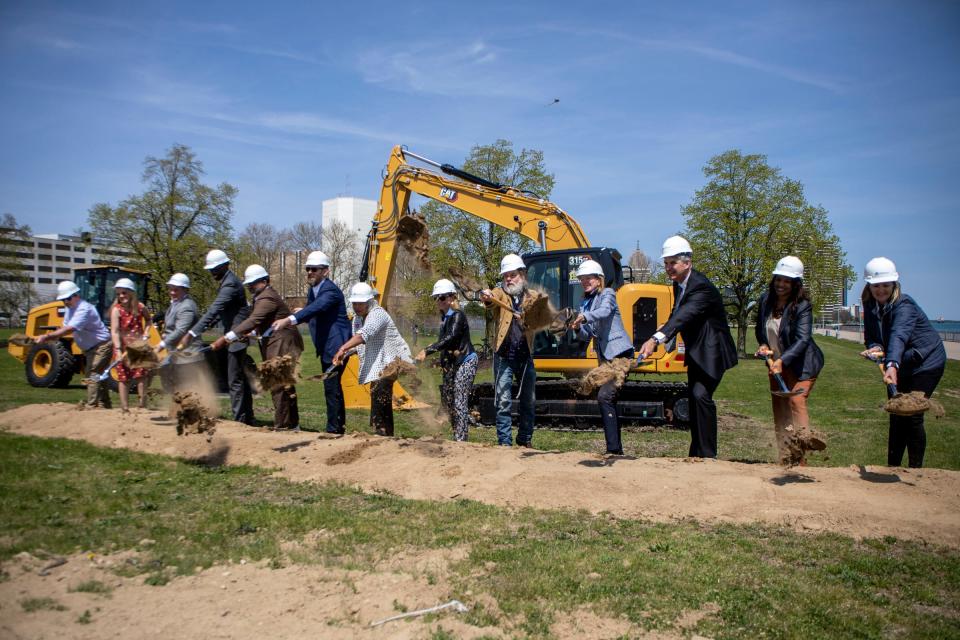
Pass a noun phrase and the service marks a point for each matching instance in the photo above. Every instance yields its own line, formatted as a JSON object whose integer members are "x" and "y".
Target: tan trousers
{"x": 791, "y": 410}
{"x": 98, "y": 359}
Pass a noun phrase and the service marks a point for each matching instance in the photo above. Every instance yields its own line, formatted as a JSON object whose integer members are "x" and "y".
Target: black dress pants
{"x": 333, "y": 395}
{"x": 241, "y": 397}
{"x": 703, "y": 412}
{"x": 907, "y": 432}
{"x": 381, "y": 406}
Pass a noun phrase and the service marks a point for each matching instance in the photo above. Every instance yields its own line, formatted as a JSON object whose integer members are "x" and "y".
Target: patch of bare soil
{"x": 916, "y": 504}
{"x": 912, "y": 403}
{"x": 798, "y": 442}
{"x": 240, "y": 600}
{"x": 353, "y": 453}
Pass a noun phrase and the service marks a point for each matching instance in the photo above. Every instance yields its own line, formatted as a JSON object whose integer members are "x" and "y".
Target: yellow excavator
{"x": 53, "y": 364}
{"x": 564, "y": 245}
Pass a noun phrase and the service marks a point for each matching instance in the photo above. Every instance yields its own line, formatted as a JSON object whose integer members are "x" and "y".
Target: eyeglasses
{"x": 314, "y": 269}
{"x": 443, "y": 296}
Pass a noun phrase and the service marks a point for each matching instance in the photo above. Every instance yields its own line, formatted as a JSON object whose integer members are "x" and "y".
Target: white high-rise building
{"x": 356, "y": 213}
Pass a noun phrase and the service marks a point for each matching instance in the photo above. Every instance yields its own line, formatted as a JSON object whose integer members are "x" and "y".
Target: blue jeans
{"x": 504, "y": 370}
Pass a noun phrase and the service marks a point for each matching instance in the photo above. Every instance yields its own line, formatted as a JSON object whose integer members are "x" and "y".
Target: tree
{"x": 264, "y": 244}
{"x": 306, "y": 237}
{"x": 15, "y": 288}
{"x": 344, "y": 248}
{"x": 462, "y": 242}
{"x": 746, "y": 218}
{"x": 171, "y": 225}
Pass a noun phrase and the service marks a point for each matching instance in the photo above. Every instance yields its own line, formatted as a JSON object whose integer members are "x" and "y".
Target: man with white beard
{"x": 513, "y": 350}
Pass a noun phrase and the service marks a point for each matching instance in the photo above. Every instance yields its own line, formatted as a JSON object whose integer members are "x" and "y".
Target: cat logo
{"x": 448, "y": 194}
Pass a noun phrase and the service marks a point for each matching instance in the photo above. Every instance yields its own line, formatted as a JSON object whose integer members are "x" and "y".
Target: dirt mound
{"x": 279, "y": 372}
{"x": 353, "y": 453}
{"x": 614, "y": 371}
{"x": 193, "y": 414}
{"x": 913, "y": 504}
{"x": 140, "y": 355}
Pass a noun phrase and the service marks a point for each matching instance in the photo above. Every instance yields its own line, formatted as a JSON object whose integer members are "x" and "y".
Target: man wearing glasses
{"x": 326, "y": 311}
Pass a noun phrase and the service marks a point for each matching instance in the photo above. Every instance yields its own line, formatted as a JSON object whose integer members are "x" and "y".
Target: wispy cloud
{"x": 725, "y": 56}
{"x": 442, "y": 68}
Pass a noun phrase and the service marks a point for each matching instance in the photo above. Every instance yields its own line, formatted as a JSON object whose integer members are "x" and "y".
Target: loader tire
{"x": 49, "y": 365}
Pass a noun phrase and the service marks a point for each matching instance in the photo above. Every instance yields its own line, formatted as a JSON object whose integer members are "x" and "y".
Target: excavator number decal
{"x": 448, "y": 194}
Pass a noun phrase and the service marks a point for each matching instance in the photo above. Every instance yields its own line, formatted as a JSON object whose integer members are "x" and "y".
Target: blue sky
{"x": 297, "y": 102}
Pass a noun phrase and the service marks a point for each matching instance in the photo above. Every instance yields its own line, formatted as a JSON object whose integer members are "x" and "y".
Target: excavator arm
{"x": 536, "y": 218}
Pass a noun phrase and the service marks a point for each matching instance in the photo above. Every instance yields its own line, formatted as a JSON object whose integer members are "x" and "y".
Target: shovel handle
{"x": 777, "y": 376}
{"x": 891, "y": 388}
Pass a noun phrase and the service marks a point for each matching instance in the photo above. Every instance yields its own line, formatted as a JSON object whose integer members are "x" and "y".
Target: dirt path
{"x": 856, "y": 501}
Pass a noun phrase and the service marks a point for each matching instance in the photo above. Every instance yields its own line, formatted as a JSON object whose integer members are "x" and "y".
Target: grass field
{"x": 758, "y": 581}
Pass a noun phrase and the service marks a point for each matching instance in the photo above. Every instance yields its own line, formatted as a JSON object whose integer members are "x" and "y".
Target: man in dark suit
{"x": 326, "y": 311}
{"x": 229, "y": 302}
{"x": 268, "y": 305}
{"x": 699, "y": 315}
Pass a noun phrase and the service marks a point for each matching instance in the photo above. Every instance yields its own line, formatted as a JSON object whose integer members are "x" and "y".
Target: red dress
{"x": 131, "y": 327}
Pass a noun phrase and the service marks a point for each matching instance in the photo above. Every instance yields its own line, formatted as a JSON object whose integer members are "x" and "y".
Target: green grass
{"x": 41, "y": 604}
{"x": 65, "y": 497}
{"x": 845, "y": 404}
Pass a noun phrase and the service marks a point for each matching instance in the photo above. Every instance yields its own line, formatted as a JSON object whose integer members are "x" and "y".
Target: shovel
{"x": 106, "y": 372}
{"x": 784, "y": 391}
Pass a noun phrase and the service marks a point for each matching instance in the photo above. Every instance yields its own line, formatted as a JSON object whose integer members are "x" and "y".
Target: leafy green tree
{"x": 746, "y": 218}
{"x": 172, "y": 224}
{"x": 461, "y": 242}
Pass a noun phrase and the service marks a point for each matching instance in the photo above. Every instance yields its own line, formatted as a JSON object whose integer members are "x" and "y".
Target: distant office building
{"x": 52, "y": 257}
{"x": 355, "y": 213}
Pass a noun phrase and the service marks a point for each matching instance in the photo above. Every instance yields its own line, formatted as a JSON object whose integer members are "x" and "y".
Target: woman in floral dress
{"x": 129, "y": 321}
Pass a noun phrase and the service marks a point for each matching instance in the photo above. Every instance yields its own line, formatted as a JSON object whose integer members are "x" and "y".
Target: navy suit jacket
{"x": 702, "y": 321}
{"x": 906, "y": 335}
{"x": 327, "y": 313}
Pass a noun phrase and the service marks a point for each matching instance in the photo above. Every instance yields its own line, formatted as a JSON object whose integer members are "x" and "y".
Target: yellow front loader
{"x": 53, "y": 364}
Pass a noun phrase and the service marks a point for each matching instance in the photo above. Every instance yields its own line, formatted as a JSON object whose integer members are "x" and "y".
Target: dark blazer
{"x": 229, "y": 302}
{"x": 453, "y": 343}
{"x": 904, "y": 332}
{"x": 702, "y": 320}
{"x": 800, "y": 353}
{"x": 327, "y": 313}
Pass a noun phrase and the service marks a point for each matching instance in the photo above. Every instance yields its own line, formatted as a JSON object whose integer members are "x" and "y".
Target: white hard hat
{"x": 789, "y": 267}
{"x": 317, "y": 259}
{"x": 253, "y": 273}
{"x": 125, "y": 283}
{"x": 880, "y": 270}
{"x": 66, "y": 289}
{"x": 443, "y": 286}
{"x": 179, "y": 280}
{"x": 362, "y": 292}
{"x": 674, "y": 246}
{"x": 511, "y": 262}
{"x": 215, "y": 258}
{"x": 589, "y": 268}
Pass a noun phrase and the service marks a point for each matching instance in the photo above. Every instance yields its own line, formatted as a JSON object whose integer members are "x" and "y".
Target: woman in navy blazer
{"x": 599, "y": 319}
{"x": 898, "y": 333}
{"x": 785, "y": 331}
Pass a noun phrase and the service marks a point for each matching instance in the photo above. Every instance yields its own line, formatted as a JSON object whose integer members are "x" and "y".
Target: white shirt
{"x": 382, "y": 343}
{"x": 659, "y": 335}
